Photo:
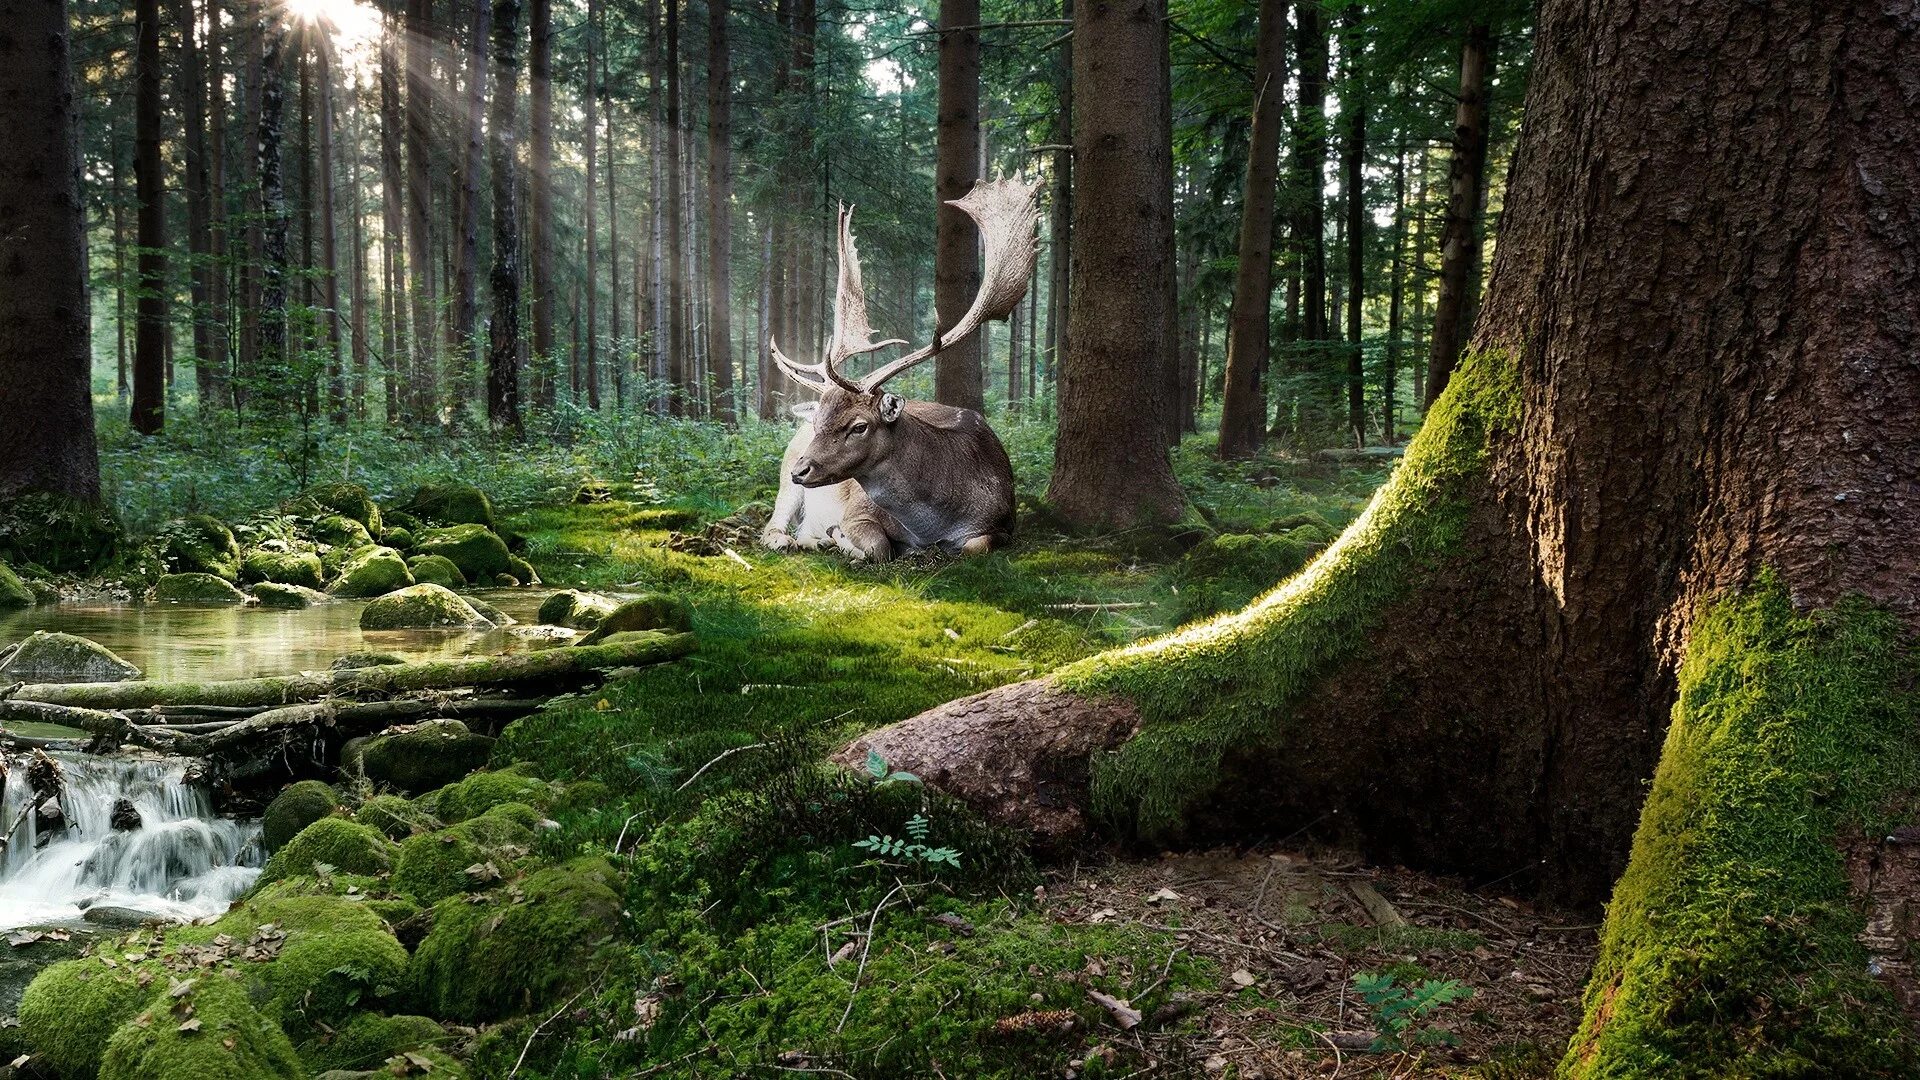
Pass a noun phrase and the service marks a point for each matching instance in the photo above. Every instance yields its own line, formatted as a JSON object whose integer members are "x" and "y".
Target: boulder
{"x": 357, "y": 660}
{"x": 475, "y": 549}
{"x": 282, "y": 567}
{"x": 451, "y": 504}
{"x": 52, "y": 657}
{"x": 125, "y": 816}
{"x": 433, "y": 866}
{"x": 197, "y": 589}
{"x": 505, "y": 581}
{"x": 347, "y": 500}
{"x": 289, "y": 597}
{"x": 339, "y": 531}
{"x": 398, "y": 537}
{"x": 13, "y": 592}
{"x": 374, "y": 571}
{"x": 427, "y": 756}
{"x": 200, "y": 544}
{"x": 229, "y": 1037}
{"x": 575, "y": 609}
{"x": 295, "y": 808}
{"x": 437, "y": 569}
{"x": 649, "y": 611}
{"x": 117, "y": 918}
{"x": 492, "y": 614}
{"x": 523, "y": 570}
{"x": 421, "y": 607}
{"x": 346, "y": 846}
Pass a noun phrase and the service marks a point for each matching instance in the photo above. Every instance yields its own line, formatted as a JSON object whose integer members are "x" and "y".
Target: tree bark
{"x": 503, "y": 355}
{"x": 1110, "y": 460}
{"x": 45, "y": 360}
{"x": 957, "y": 377}
{"x": 198, "y": 179}
{"x": 1460, "y": 237}
{"x": 679, "y": 371}
{"x": 1396, "y": 304}
{"x": 329, "y": 234}
{"x": 540, "y": 212}
{"x": 473, "y": 164}
{"x": 424, "y": 373}
{"x": 272, "y": 353}
{"x": 1353, "y": 161}
{"x": 1243, "y": 404}
{"x": 1060, "y": 228}
{"x": 591, "y": 94}
{"x": 220, "y": 228}
{"x": 720, "y": 211}
{"x": 150, "y": 328}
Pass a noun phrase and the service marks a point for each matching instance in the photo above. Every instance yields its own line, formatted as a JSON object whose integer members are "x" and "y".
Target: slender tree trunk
{"x": 679, "y": 371}
{"x": 1110, "y": 461}
{"x": 720, "y": 210}
{"x": 393, "y": 330}
{"x": 592, "y": 288}
{"x": 1417, "y": 274}
{"x": 193, "y": 100}
{"x": 45, "y": 359}
{"x": 1312, "y": 123}
{"x": 503, "y": 358}
{"x": 252, "y": 267}
{"x": 473, "y": 165}
{"x": 329, "y": 236}
{"x": 1353, "y": 165}
{"x": 150, "y": 331}
{"x": 1460, "y": 239}
{"x": 1243, "y": 404}
{"x": 956, "y": 258}
{"x": 425, "y": 362}
{"x": 616, "y": 348}
{"x": 1396, "y": 303}
{"x": 540, "y": 211}
{"x": 1060, "y": 228}
{"x": 356, "y": 241}
{"x": 219, "y": 226}
{"x": 273, "y": 350}
{"x": 123, "y": 385}
{"x": 763, "y": 360}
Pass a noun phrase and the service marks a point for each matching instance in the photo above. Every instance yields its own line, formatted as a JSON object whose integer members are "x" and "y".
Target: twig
{"x": 723, "y": 755}
{"x": 540, "y": 1027}
{"x": 866, "y": 948}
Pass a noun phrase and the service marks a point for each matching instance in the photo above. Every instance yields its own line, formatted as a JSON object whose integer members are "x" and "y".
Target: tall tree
{"x": 273, "y": 349}
{"x": 957, "y": 376}
{"x": 473, "y": 163}
{"x": 591, "y": 102}
{"x": 220, "y": 231}
{"x": 1396, "y": 304}
{"x": 1460, "y": 236}
{"x": 1110, "y": 463}
{"x": 424, "y": 376}
{"x": 503, "y": 356}
{"x": 45, "y": 358}
{"x": 197, "y": 174}
{"x": 150, "y": 329}
{"x": 1310, "y": 161}
{"x": 329, "y": 232}
{"x": 1060, "y": 226}
{"x": 1353, "y": 160}
{"x": 540, "y": 213}
{"x": 720, "y": 210}
{"x": 679, "y": 371}
{"x": 1243, "y": 404}
{"x": 394, "y": 330}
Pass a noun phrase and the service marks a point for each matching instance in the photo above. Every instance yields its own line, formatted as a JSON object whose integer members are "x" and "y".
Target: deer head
{"x": 854, "y": 425}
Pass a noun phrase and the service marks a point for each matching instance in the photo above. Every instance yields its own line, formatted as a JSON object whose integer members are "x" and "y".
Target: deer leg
{"x": 985, "y": 542}
{"x": 863, "y": 541}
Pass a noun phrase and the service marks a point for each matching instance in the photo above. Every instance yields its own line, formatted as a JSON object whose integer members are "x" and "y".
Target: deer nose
{"x": 802, "y": 469}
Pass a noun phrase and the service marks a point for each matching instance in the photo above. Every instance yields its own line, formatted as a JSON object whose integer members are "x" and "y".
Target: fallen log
{"x": 354, "y": 718}
{"x": 567, "y": 664}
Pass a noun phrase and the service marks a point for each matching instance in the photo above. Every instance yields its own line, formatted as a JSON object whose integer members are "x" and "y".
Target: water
{"x": 182, "y": 863}
{"x": 197, "y": 642}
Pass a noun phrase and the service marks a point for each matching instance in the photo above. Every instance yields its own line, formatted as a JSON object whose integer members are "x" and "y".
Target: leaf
{"x": 189, "y": 1026}
{"x": 876, "y": 764}
{"x": 1162, "y": 895}
{"x": 1123, "y": 1014}
{"x": 1243, "y": 977}
{"x": 179, "y": 988}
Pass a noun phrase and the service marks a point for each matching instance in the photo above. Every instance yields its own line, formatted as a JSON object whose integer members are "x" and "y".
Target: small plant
{"x": 1400, "y": 1012}
{"x": 914, "y": 848}
{"x": 883, "y": 774}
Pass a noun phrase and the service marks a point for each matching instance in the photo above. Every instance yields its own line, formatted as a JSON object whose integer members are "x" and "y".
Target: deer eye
{"x": 859, "y": 427}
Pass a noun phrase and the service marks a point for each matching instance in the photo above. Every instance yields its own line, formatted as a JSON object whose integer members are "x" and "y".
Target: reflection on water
{"x": 196, "y": 642}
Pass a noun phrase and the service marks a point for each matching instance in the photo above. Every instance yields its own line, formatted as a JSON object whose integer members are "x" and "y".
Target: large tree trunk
{"x": 503, "y": 353}
{"x": 1110, "y": 463}
{"x": 473, "y": 165}
{"x": 45, "y": 360}
{"x": 679, "y": 369}
{"x": 219, "y": 245}
{"x": 1667, "y": 499}
{"x": 1460, "y": 237}
{"x": 720, "y": 211}
{"x": 1060, "y": 227}
{"x": 592, "y": 284}
{"x": 329, "y": 236}
{"x": 1243, "y": 406}
{"x": 540, "y": 212}
{"x": 193, "y": 99}
{"x": 957, "y": 378}
{"x": 272, "y": 354}
{"x": 393, "y": 328}
{"x": 150, "y": 329}
{"x": 424, "y": 386}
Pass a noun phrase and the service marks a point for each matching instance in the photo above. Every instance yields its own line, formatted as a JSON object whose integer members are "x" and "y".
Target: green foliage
{"x": 57, "y": 534}
{"x": 1225, "y": 572}
{"x": 199, "y": 544}
{"x": 296, "y": 807}
{"x": 368, "y": 1039}
{"x": 395, "y": 817}
{"x": 348, "y": 500}
{"x": 14, "y": 592}
{"x": 468, "y": 856}
{"x": 1400, "y": 1013}
{"x": 913, "y": 849}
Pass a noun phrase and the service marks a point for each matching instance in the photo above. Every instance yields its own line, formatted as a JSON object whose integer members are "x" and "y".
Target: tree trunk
{"x": 1110, "y": 461}
{"x": 393, "y": 329}
{"x": 329, "y": 236}
{"x": 1310, "y": 227}
{"x": 1480, "y": 674}
{"x": 1396, "y": 304}
{"x": 1353, "y": 161}
{"x": 591, "y": 287}
{"x": 540, "y": 212}
{"x": 1243, "y": 404}
{"x": 957, "y": 379}
{"x": 1060, "y": 227}
{"x": 616, "y": 349}
{"x": 150, "y": 329}
{"x": 198, "y": 175}
{"x": 503, "y": 354}
{"x": 720, "y": 211}
{"x": 473, "y": 164}
{"x": 424, "y": 399}
{"x": 268, "y": 172}
{"x": 356, "y": 241}
{"x": 1460, "y": 238}
{"x": 45, "y": 360}
{"x": 679, "y": 371}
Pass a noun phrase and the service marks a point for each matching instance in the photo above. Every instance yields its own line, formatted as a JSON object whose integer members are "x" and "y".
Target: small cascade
{"x": 177, "y": 861}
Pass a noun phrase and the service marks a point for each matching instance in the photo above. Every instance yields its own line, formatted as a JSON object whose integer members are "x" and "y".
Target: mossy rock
{"x": 433, "y": 866}
{"x": 210, "y": 1031}
{"x": 354, "y": 661}
{"x": 576, "y": 609}
{"x": 14, "y": 592}
{"x": 57, "y": 533}
{"x": 522, "y": 569}
{"x": 583, "y": 796}
{"x": 505, "y": 581}
{"x": 282, "y": 568}
{"x": 337, "y": 956}
{"x": 71, "y": 1009}
{"x": 651, "y": 611}
{"x": 367, "y": 1040}
{"x": 296, "y": 807}
{"x": 451, "y": 504}
{"x": 48, "y": 656}
{"x": 200, "y": 544}
{"x": 491, "y": 613}
{"x": 348, "y": 500}
{"x": 337, "y": 530}
{"x": 475, "y": 549}
{"x": 502, "y": 957}
{"x": 346, "y": 846}
{"x": 420, "y": 607}
{"x": 483, "y": 791}
{"x": 371, "y": 572}
{"x": 398, "y": 537}
{"x": 198, "y": 589}
{"x": 395, "y": 817}
{"x": 272, "y": 594}
{"x": 437, "y": 570}
{"x": 430, "y": 755}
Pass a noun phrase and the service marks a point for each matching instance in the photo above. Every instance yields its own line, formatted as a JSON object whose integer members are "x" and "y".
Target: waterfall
{"x": 181, "y": 862}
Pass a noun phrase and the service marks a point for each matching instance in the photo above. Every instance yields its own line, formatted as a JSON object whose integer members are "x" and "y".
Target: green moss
{"x": 337, "y": 956}
{"x": 287, "y": 597}
{"x": 340, "y": 531}
{"x": 522, "y": 570}
{"x": 1225, "y": 684}
{"x": 419, "y": 607}
{"x": 437, "y": 569}
{"x": 296, "y": 807}
{"x": 197, "y": 588}
{"x": 72, "y": 1008}
{"x": 1225, "y": 572}
{"x": 397, "y": 537}
{"x": 575, "y": 609}
{"x": 200, "y": 544}
{"x": 13, "y": 592}
{"x": 371, "y": 572}
{"x": 331, "y": 841}
{"x": 232, "y": 1040}
{"x": 483, "y": 791}
{"x": 433, "y": 866}
{"x": 348, "y": 500}
{"x": 394, "y": 817}
{"x": 367, "y": 1040}
{"x": 451, "y": 504}
{"x": 48, "y": 656}
{"x": 63, "y": 535}
{"x": 1732, "y": 944}
{"x": 652, "y": 611}
{"x": 473, "y": 548}
{"x": 283, "y": 567}
{"x": 431, "y": 755}
{"x": 503, "y": 956}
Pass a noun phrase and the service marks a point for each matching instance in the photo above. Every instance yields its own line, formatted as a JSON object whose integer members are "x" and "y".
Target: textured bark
{"x": 679, "y": 369}
{"x": 1396, "y": 304}
{"x": 424, "y": 375}
{"x": 1310, "y": 224}
{"x": 220, "y": 230}
{"x": 503, "y": 353}
{"x": 1110, "y": 461}
{"x": 540, "y": 211}
{"x": 1353, "y": 160}
{"x": 45, "y": 379}
{"x": 592, "y": 285}
{"x": 150, "y": 328}
{"x": 472, "y": 167}
{"x": 957, "y": 375}
{"x": 1060, "y": 227}
{"x": 720, "y": 212}
{"x": 197, "y": 174}
{"x": 272, "y": 348}
{"x": 1243, "y": 404}
{"x": 329, "y": 234}
{"x": 1466, "y": 184}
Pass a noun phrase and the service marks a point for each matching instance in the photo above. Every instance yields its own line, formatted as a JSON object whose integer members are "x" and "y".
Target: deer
{"x": 804, "y": 517}
{"x": 929, "y": 476}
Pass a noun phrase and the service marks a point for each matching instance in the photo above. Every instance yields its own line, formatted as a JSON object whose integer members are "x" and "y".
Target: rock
{"x": 437, "y": 569}
{"x": 475, "y": 549}
{"x": 346, "y": 846}
{"x": 290, "y": 597}
{"x": 371, "y": 1037}
{"x": 48, "y": 818}
{"x": 226, "y": 1036}
{"x": 420, "y": 607}
{"x": 395, "y": 817}
{"x": 650, "y": 611}
{"x": 347, "y": 500}
{"x": 339, "y": 531}
{"x": 492, "y": 614}
{"x": 357, "y": 660}
{"x": 296, "y": 807}
{"x": 125, "y": 816}
{"x": 119, "y": 918}
{"x": 52, "y": 657}
{"x": 197, "y": 589}
{"x": 433, "y": 866}
{"x": 372, "y": 572}
{"x": 483, "y": 791}
{"x": 13, "y": 592}
{"x": 200, "y": 544}
{"x": 56, "y": 533}
{"x": 398, "y": 537}
{"x": 523, "y": 570}
{"x": 430, "y": 755}
{"x": 505, "y": 581}
{"x": 575, "y": 609}
{"x": 451, "y": 504}
{"x": 282, "y": 567}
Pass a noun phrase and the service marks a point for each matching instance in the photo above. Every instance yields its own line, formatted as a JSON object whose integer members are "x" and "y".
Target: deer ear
{"x": 890, "y": 407}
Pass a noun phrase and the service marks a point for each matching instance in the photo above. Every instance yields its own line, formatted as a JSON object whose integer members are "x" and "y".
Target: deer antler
{"x": 852, "y": 335}
{"x": 1005, "y": 213}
